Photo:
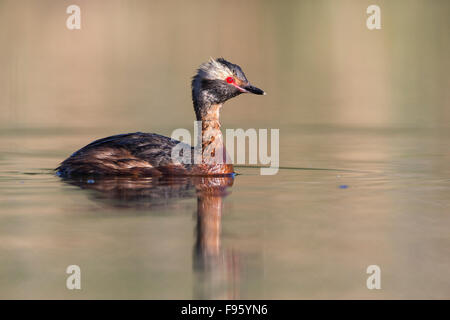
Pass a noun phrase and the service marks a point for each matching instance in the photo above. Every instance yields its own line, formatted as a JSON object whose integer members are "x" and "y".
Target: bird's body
{"x": 150, "y": 154}
{"x": 135, "y": 154}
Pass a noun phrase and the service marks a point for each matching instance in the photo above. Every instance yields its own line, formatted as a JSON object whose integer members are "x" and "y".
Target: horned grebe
{"x": 150, "y": 154}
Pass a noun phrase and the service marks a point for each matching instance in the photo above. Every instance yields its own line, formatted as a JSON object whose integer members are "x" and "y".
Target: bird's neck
{"x": 212, "y": 140}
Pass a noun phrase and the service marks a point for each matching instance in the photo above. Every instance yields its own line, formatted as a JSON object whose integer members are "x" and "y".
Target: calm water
{"x": 364, "y": 119}
{"x": 298, "y": 234}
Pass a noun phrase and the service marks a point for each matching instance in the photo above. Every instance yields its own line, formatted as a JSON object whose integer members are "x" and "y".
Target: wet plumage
{"x": 150, "y": 154}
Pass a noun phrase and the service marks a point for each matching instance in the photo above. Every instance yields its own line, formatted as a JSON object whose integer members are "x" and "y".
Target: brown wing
{"x": 125, "y": 154}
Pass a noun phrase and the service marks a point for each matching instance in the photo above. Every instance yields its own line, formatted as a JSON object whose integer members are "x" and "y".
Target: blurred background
{"x": 364, "y": 121}
{"x": 131, "y": 62}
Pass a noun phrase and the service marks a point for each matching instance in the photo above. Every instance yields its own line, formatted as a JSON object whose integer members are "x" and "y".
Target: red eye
{"x": 230, "y": 80}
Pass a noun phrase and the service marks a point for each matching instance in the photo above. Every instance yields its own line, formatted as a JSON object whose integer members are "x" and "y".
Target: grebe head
{"x": 217, "y": 81}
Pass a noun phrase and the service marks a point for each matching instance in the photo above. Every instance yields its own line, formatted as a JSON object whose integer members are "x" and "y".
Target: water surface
{"x": 380, "y": 197}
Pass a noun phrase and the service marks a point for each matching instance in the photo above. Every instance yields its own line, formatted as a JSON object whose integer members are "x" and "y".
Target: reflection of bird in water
{"x": 217, "y": 271}
{"x": 214, "y": 266}
{"x": 139, "y": 193}
{"x": 149, "y": 154}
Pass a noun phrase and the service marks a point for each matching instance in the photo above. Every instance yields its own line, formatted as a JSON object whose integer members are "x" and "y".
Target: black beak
{"x": 254, "y": 90}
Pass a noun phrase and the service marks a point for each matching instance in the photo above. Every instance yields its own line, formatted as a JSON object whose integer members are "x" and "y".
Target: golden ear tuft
{"x": 215, "y": 70}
